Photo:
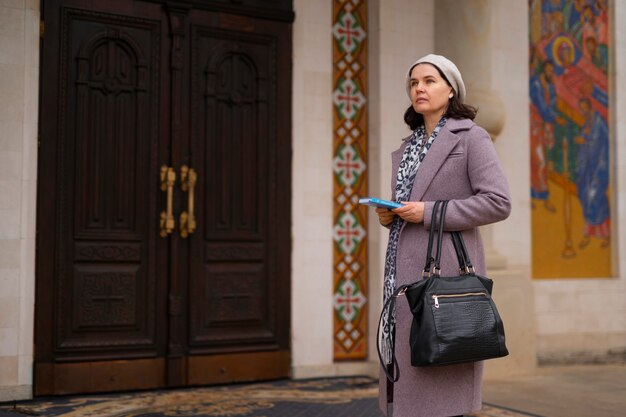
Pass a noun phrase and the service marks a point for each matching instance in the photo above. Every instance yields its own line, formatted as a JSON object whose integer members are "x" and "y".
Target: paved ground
{"x": 572, "y": 391}
{"x": 564, "y": 391}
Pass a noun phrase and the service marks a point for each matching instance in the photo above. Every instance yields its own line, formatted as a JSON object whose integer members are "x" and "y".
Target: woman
{"x": 447, "y": 157}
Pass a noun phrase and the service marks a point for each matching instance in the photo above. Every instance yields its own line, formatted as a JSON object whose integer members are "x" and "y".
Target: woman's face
{"x": 429, "y": 91}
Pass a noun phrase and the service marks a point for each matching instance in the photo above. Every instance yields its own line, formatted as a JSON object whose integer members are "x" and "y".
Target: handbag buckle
{"x": 470, "y": 269}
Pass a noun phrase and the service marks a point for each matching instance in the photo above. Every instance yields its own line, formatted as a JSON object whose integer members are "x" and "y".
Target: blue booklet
{"x": 378, "y": 202}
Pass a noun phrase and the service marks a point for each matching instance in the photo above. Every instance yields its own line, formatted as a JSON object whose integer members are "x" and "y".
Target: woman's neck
{"x": 430, "y": 122}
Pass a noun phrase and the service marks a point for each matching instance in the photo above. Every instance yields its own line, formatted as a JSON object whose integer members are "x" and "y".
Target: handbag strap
{"x": 466, "y": 266}
{"x": 459, "y": 252}
{"x": 389, "y": 307}
{"x": 431, "y": 235}
{"x": 437, "y": 267}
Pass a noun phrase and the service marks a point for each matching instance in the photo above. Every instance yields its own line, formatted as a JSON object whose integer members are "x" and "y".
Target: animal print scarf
{"x": 413, "y": 155}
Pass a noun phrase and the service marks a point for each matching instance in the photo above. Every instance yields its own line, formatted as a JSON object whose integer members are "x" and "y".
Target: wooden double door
{"x": 163, "y": 235}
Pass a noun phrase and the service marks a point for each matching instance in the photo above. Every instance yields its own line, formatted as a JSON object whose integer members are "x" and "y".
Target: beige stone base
{"x": 16, "y": 393}
{"x": 581, "y": 348}
{"x": 513, "y": 295}
{"x": 336, "y": 369}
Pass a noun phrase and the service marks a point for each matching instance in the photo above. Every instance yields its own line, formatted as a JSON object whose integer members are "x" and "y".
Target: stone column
{"x": 463, "y": 34}
{"x": 19, "y": 93}
{"x": 468, "y": 33}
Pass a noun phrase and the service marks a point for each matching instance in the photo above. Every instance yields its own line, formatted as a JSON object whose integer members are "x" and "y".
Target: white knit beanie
{"x": 447, "y": 67}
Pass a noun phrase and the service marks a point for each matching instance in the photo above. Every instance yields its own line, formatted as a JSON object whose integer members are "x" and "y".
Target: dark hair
{"x": 455, "y": 110}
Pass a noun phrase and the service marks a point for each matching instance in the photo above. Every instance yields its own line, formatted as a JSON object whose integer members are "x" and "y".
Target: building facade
{"x": 260, "y": 125}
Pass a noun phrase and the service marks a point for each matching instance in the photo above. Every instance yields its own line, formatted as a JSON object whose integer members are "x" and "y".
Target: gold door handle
{"x": 188, "y": 180}
{"x": 168, "y": 179}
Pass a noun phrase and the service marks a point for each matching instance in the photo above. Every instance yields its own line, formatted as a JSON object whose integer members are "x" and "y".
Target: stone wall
{"x": 312, "y": 269}
{"x": 19, "y": 84}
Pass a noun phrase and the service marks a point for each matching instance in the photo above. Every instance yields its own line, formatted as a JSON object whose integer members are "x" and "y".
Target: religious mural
{"x": 569, "y": 138}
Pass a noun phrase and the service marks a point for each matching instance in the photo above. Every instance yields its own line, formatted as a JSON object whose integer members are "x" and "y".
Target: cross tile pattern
{"x": 350, "y": 178}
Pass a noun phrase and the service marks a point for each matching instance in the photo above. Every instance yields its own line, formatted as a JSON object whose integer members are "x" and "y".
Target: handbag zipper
{"x": 436, "y": 297}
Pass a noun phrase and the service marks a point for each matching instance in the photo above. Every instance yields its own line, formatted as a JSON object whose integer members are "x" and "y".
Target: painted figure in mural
{"x": 552, "y": 17}
{"x": 563, "y": 52}
{"x": 543, "y": 117}
{"x": 584, "y": 19}
{"x": 592, "y": 175}
{"x": 597, "y": 54}
{"x": 602, "y": 12}
{"x": 446, "y": 157}
{"x": 574, "y": 15}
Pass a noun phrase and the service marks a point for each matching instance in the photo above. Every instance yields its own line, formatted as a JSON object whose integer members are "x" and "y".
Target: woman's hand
{"x": 385, "y": 216}
{"x": 412, "y": 211}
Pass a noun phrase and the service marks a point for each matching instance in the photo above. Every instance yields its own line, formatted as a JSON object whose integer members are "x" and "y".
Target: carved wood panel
{"x": 105, "y": 299}
{"x": 236, "y": 294}
{"x": 234, "y": 276}
{"x": 107, "y": 143}
{"x": 235, "y": 102}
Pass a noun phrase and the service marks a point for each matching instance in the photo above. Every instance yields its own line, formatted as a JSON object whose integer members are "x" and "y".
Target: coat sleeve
{"x": 490, "y": 201}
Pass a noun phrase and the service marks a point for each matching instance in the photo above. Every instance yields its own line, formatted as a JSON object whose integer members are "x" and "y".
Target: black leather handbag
{"x": 454, "y": 318}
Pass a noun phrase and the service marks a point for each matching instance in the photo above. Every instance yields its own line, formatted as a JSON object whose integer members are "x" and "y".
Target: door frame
{"x": 175, "y": 368}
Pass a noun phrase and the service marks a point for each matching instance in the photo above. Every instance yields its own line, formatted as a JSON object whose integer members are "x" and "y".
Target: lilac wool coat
{"x": 462, "y": 167}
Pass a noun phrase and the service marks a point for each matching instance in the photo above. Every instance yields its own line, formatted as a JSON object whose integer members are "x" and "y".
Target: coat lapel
{"x": 436, "y": 156}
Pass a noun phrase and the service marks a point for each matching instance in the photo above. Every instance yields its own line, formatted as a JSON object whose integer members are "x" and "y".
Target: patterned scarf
{"x": 413, "y": 155}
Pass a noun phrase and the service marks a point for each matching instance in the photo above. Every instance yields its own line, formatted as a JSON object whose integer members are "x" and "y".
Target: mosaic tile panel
{"x": 350, "y": 178}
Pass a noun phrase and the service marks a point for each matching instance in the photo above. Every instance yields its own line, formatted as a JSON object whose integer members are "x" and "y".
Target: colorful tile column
{"x": 350, "y": 178}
